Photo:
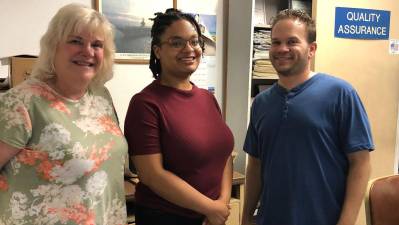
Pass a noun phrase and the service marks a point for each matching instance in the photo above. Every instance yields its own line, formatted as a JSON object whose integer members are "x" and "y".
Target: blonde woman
{"x": 61, "y": 149}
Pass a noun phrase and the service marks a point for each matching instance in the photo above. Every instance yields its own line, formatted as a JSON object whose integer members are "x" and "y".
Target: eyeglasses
{"x": 180, "y": 43}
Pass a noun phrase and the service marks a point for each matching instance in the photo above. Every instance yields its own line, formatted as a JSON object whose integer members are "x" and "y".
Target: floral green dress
{"x": 70, "y": 166}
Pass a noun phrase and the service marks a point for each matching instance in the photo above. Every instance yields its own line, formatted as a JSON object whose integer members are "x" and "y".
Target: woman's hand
{"x": 217, "y": 214}
{"x": 174, "y": 189}
{"x": 224, "y": 198}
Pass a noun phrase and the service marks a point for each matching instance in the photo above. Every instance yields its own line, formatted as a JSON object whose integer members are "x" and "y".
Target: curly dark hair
{"x": 161, "y": 22}
{"x": 300, "y": 15}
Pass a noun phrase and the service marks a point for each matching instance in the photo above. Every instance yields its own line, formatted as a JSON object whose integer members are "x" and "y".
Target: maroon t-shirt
{"x": 187, "y": 128}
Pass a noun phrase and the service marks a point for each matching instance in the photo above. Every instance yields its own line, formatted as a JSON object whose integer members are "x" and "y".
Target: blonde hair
{"x": 69, "y": 20}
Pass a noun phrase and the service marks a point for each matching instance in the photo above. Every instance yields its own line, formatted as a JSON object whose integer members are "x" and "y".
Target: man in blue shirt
{"x": 308, "y": 140}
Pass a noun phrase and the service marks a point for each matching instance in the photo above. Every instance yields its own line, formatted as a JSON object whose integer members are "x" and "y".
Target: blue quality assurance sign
{"x": 361, "y": 23}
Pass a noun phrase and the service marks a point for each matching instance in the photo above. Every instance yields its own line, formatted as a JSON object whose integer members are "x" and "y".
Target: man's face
{"x": 290, "y": 52}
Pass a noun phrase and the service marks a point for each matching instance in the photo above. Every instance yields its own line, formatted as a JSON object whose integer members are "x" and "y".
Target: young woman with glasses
{"x": 178, "y": 140}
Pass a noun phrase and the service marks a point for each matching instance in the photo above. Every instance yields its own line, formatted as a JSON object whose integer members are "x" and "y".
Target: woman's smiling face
{"x": 176, "y": 58}
{"x": 79, "y": 58}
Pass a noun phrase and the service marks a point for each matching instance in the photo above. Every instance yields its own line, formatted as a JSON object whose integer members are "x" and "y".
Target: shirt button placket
{"x": 285, "y": 110}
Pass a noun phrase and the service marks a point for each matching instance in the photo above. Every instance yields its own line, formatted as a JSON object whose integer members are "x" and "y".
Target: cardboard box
{"x": 21, "y": 68}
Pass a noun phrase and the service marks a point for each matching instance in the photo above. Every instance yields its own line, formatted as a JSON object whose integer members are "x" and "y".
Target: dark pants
{"x": 147, "y": 216}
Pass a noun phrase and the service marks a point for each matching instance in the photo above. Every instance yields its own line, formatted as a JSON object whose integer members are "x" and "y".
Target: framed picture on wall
{"x": 132, "y": 24}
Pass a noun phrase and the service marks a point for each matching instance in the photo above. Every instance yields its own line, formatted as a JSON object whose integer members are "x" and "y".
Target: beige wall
{"x": 369, "y": 67}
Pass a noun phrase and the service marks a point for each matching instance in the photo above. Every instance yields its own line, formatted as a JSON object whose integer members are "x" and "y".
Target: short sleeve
{"x": 108, "y": 96}
{"x": 251, "y": 140}
{"x": 142, "y": 129}
{"x": 15, "y": 121}
{"x": 215, "y": 102}
{"x": 355, "y": 131}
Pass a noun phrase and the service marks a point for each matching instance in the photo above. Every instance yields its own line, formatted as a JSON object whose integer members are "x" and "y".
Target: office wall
{"x": 23, "y": 22}
{"x": 369, "y": 67}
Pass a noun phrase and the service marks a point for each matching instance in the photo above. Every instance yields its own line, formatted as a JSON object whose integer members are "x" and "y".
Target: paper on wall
{"x": 4, "y": 68}
{"x": 394, "y": 46}
{"x": 4, "y": 73}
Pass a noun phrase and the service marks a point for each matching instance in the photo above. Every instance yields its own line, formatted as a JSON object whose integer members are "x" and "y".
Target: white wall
{"x": 127, "y": 80}
{"x": 23, "y": 22}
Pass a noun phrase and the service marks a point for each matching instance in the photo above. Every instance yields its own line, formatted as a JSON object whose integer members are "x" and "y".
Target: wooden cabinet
{"x": 18, "y": 68}
{"x": 21, "y": 68}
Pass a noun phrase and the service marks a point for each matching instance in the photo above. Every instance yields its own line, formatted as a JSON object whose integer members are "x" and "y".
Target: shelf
{"x": 263, "y": 69}
{"x": 262, "y": 26}
{"x": 259, "y": 85}
{"x": 264, "y": 79}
